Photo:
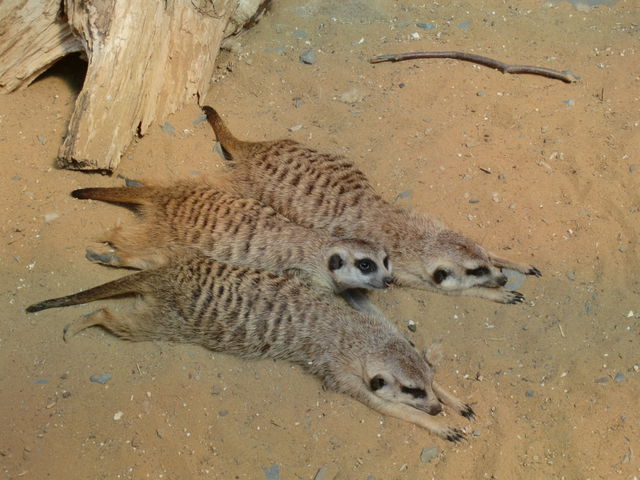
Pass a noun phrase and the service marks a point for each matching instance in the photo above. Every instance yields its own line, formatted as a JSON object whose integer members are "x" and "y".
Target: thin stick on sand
{"x": 565, "y": 76}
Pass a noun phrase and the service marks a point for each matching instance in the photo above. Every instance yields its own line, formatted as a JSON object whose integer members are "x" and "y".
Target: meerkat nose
{"x": 388, "y": 281}
{"x": 434, "y": 409}
{"x": 502, "y": 281}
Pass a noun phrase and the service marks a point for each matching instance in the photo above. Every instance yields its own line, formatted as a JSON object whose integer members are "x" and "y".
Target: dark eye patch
{"x": 415, "y": 392}
{"x": 478, "y": 272}
{"x": 366, "y": 265}
{"x": 385, "y": 262}
{"x": 439, "y": 275}
{"x": 377, "y": 383}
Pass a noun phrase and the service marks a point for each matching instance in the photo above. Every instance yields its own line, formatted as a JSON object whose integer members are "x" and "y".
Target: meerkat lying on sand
{"x": 328, "y": 193}
{"x": 236, "y": 230}
{"x": 254, "y": 313}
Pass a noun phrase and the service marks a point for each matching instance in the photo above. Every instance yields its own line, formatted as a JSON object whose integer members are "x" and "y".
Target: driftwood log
{"x": 145, "y": 61}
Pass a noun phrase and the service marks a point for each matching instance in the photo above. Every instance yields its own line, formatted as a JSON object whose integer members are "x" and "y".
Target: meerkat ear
{"x": 335, "y": 262}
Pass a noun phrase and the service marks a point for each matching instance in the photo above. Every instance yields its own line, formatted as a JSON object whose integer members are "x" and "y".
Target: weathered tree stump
{"x": 145, "y": 61}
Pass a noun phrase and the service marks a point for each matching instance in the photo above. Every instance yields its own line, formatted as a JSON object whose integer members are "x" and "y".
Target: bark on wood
{"x": 34, "y": 34}
{"x": 145, "y": 61}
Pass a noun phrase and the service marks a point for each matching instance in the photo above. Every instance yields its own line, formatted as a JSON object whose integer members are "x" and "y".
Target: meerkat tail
{"x": 230, "y": 144}
{"x": 125, "y": 285}
{"x": 124, "y": 195}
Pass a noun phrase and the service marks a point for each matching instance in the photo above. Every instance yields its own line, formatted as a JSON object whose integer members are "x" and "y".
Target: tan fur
{"x": 328, "y": 193}
{"x": 232, "y": 229}
{"x": 254, "y": 313}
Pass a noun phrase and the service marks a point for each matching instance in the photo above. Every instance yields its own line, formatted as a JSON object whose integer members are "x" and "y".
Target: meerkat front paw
{"x": 452, "y": 434}
{"x": 512, "y": 297}
{"x": 467, "y": 412}
{"x": 533, "y": 271}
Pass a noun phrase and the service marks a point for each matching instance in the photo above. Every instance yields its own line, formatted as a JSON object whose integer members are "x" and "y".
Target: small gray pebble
{"x": 466, "y": 25}
{"x": 480, "y": 94}
{"x": 223, "y": 413}
{"x": 41, "y": 381}
{"x": 199, "y": 120}
{"x": 619, "y": 377}
{"x": 272, "y": 473}
{"x": 476, "y": 433}
{"x": 569, "y": 103}
{"x": 601, "y": 380}
{"x": 529, "y": 393}
{"x": 42, "y": 139}
{"x": 588, "y": 309}
{"x": 633, "y": 167}
{"x": 216, "y": 390}
{"x": 168, "y": 128}
{"x": 217, "y": 148}
{"x": 132, "y": 183}
{"x": 100, "y": 378}
{"x": 308, "y": 57}
{"x": 299, "y": 34}
{"x": 429, "y": 453}
{"x": 322, "y": 474}
{"x": 474, "y": 200}
{"x": 426, "y": 26}
{"x": 411, "y": 325}
{"x": 278, "y": 50}
{"x": 405, "y": 194}
{"x": 16, "y": 177}
{"x": 571, "y": 275}
{"x": 572, "y": 73}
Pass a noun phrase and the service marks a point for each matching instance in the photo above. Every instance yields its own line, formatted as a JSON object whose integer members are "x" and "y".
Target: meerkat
{"x": 255, "y": 313}
{"x": 235, "y": 230}
{"x": 328, "y": 193}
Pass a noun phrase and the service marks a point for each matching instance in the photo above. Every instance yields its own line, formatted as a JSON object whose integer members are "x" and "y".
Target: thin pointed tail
{"x": 231, "y": 146}
{"x": 123, "y": 195}
{"x": 126, "y": 285}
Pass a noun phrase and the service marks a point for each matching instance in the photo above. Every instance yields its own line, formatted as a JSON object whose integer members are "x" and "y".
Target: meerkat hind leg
{"x": 449, "y": 400}
{"x": 124, "y": 259}
{"x": 524, "y": 268}
{"x": 127, "y": 326}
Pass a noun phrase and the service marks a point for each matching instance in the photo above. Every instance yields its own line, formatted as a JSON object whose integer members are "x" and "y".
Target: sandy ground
{"x": 543, "y": 171}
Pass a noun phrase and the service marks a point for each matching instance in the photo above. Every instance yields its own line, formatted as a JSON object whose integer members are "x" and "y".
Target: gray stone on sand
{"x": 429, "y": 453}
{"x": 308, "y": 57}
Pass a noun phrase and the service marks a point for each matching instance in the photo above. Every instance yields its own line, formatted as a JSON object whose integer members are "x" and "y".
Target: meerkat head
{"x": 399, "y": 374}
{"x": 451, "y": 262}
{"x": 354, "y": 263}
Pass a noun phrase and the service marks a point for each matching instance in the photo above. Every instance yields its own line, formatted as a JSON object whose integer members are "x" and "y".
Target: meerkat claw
{"x": 534, "y": 271}
{"x": 514, "y": 297}
{"x": 468, "y": 412}
{"x": 454, "y": 435}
